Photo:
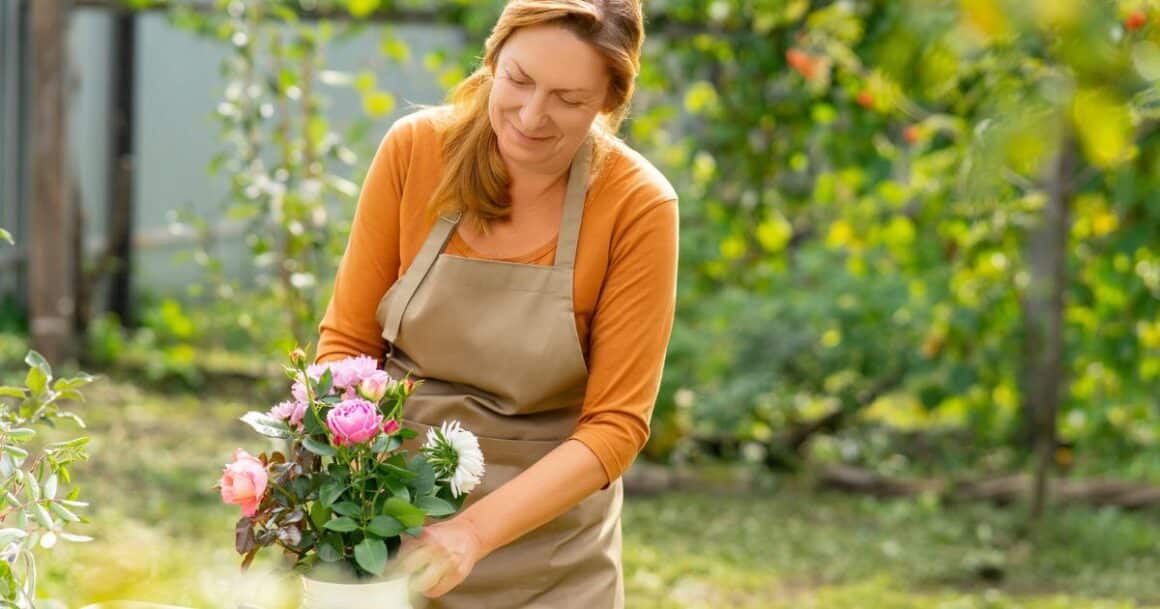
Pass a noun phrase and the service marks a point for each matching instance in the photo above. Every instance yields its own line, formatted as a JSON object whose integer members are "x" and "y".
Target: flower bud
{"x": 375, "y": 386}
{"x": 298, "y": 357}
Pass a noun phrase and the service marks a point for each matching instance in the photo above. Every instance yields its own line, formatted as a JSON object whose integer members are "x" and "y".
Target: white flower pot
{"x": 375, "y": 594}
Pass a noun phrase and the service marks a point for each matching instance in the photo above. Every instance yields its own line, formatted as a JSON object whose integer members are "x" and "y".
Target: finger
{"x": 450, "y": 579}
{"x": 425, "y": 579}
{"x": 418, "y": 558}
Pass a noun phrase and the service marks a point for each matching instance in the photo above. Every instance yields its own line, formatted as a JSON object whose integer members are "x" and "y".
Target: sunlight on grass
{"x": 162, "y": 535}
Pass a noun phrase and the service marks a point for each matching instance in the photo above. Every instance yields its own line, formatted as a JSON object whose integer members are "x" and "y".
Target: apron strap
{"x": 420, "y": 266}
{"x": 573, "y": 206}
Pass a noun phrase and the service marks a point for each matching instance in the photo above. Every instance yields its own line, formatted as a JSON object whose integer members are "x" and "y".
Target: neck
{"x": 535, "y": 182}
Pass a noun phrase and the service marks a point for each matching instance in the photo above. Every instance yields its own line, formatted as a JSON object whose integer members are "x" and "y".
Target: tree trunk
{"x": 1042, "y": 303}
{"x": 52, "y": 257}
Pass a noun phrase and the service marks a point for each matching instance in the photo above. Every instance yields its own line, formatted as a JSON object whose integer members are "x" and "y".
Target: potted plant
{"x": 345, "y": 491}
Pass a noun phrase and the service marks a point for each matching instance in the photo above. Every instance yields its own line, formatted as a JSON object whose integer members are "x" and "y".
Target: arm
{"x": 370, "y": 264}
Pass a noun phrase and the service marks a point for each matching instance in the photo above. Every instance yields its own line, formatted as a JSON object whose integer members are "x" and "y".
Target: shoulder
{"x": 630, "y": 183}
{"x": 420, "y": 128}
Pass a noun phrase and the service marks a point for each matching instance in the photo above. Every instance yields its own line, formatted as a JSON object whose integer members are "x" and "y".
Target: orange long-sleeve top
{"x": 624, "y": 285}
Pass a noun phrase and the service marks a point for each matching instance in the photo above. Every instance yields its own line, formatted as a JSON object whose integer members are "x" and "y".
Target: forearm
{"x": 547, "y": 489}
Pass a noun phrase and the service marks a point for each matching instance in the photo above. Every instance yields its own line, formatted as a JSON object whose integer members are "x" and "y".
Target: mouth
{"x": 528, "y": 138}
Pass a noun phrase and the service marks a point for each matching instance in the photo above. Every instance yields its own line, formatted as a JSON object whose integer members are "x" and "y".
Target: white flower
{"x": 454, "y": 453}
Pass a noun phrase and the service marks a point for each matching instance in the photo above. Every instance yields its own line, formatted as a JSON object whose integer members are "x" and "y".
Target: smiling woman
{"x": 510, "y": 251}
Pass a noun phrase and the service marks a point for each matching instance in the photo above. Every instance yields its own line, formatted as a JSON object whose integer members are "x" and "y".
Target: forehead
{"x": 556, "y": 57}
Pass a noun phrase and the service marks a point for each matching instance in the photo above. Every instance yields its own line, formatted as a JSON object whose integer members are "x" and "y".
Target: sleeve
{"x": 370, "y": 264}
{"x": 628, "y": 339}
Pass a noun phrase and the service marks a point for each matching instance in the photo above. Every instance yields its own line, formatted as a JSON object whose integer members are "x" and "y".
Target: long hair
{"x": 475, "y": 180}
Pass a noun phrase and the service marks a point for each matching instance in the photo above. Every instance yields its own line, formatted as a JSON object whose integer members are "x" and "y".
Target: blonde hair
{"x": 475, "y": 180}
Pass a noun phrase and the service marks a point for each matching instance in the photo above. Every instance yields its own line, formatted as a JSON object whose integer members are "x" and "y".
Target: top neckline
{"x": 460, "y": 244}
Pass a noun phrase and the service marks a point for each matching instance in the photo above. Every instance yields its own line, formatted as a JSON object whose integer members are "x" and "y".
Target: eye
{"x": 572, "y": 103}
{"x": 516, "y": 80}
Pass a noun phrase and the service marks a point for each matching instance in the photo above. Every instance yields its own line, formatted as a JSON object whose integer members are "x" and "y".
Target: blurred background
{"x": 917, "y": 353}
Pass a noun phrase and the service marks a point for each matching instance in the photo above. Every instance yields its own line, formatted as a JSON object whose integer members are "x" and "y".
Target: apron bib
{"x": 496, "y": 346}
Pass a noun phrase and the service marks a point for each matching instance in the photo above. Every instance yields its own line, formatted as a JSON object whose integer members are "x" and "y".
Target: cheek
{"x": 502, "y": 98}
{"x": 577, "y": 122}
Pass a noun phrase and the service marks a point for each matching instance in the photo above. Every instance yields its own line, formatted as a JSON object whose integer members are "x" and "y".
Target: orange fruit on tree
{"x": 1135, "y": 20}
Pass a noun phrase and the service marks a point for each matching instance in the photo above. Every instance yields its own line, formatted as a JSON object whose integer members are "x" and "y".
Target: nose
{"x": 532, "y": 114}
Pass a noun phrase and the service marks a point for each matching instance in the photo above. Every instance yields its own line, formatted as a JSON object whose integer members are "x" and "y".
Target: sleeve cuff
{"x": 605, "y": 453}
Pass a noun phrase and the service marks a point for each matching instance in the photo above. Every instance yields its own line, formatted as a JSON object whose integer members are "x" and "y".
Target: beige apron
{"x": 496, "y": 346}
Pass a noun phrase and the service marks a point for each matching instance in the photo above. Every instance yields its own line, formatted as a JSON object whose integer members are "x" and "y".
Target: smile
{"x": 527, "y": 138}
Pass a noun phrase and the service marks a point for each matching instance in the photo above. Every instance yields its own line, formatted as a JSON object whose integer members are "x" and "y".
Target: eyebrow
{"x": 525, "y": 75}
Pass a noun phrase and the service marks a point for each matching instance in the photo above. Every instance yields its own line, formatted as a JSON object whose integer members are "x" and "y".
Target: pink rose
{"x": 354, "y": 422}
{"x": 244, "y": 482}
{"x": 375, "y": 386}
{"x": 391, "y": 427}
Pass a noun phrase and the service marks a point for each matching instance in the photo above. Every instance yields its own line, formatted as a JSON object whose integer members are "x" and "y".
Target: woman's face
{"x": 549, "y": 86}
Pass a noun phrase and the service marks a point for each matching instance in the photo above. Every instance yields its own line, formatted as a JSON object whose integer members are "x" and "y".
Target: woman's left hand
{"x": 441, "y": 557}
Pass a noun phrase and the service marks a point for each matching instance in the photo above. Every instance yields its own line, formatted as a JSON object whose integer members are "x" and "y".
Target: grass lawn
{"x": 162, "y": 535}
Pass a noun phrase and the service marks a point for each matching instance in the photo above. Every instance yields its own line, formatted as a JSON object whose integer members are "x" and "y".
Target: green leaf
{"x": 394, "y": 48}
{"x": 49, "y": 486}
{"x": 342, "y": 525}
{"x": 42, "y": 516}
{"x": 424, "y": 481}
{"x": 362, "y": 8}
{"x": 6, "y": 236}
{"x": 313, "y": 422}
{"x": 385, "y": 526}
{"x": 64, "y": 513}
{"x": 347, "y": 508}
{"x": 434, "y": 506}
{"x": 319, "y": 514}
{"x": 378, "y": 103}
{"x": 330, "y": 550}
{"x": 21, "y": 434}
{"x": 8, "y": 536}
{"x": 330, "y": 492}
{"x": 72, "y": 383}
{"x": 31, "y": 487}
{"x": 404, "y": 512}
{"x": 36, "y": 381}
{"x": 324, "y": 385}
{"x": 318, "y": 448}
{"x": 36, "y": 360}
{"x": 12, "y": 392}
{"x": 384, "y": 444}
{"x": 371, "y": 555}
{"x": 400, "y": 472}
{"x": 267, "y": 425}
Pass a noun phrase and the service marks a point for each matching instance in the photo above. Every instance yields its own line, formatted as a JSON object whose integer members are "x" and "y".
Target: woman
{"x": 512, "y": 252}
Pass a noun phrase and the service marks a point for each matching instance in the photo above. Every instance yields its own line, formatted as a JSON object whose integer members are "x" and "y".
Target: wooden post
{"x": 123, "y": 161}
{"x": 52, "y": 300}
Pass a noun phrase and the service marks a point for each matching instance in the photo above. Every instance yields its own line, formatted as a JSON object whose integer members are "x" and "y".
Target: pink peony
{"x": 375, "y": 386}
{"x": 281, "y": 411}
{"x": 391, "y": 427}
{"x": 289, "y": 411}
{"x": 345, "y": 375}
{"x": 354, "y": 422}
{"x": 351, "y": 371}
{"x": 298, "y": 413}
{"x": 244, "y": 482}
{"x": 298, "y": 390}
